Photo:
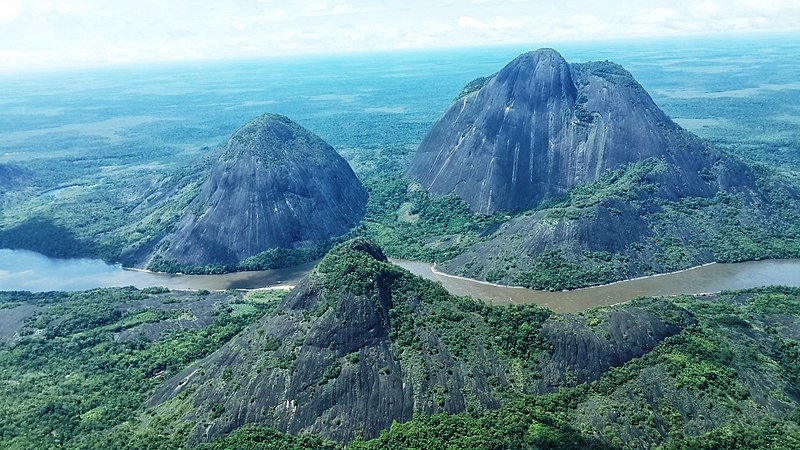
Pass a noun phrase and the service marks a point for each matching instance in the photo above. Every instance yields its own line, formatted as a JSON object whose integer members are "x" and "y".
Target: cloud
{"x": 342, "y": 8}
{"x": 656, "y": 16}
{"x": 498, "y": 23}
{"x": 82, "y": 31}
{"x": 314, "y": 7}
{"x": 323, "y": 8}
{"x": 706, "y": 9}
{"x": 503, "y": 23}
{"x": 768, "y": 7}
{"x": 10, "y": 10}
{"x": 471, "y": 22}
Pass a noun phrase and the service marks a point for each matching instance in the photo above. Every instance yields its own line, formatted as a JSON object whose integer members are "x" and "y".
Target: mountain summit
{"x": 600, "y": 183}
{"x": 541, "y": 126}
{"x": 276, "y": 185}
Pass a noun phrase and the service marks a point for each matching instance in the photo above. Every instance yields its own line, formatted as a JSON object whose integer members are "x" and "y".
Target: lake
{"x": 30, "y": 271}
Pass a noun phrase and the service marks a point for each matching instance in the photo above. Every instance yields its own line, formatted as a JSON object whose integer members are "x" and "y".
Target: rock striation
{"x": 541, "y": 126}
{"x": 276, "y": 185}
{"x": 327, "y": 361}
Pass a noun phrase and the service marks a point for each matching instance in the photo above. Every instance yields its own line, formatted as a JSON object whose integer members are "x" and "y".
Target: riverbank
{"x": 509, "y": 286}
{"x": 703, "y": 279}
{"x": 29, "y": 271}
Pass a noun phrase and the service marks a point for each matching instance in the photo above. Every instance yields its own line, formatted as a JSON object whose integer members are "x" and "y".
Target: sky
{"x": 57, "y": 33}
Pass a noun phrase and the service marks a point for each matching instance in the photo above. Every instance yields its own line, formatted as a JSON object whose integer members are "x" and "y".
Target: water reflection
{"x": 29, "y": 271}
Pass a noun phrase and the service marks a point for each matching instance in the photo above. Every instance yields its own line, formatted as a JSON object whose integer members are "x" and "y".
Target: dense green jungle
{"x": 78, "y": 369}
{"x": 100, "y": 163}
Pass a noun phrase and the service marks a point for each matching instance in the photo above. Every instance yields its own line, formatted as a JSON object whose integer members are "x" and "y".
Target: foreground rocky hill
{"x": 361, "y": 343}
{"x": 364, "y": 349}
{"x": 275, "y": 186}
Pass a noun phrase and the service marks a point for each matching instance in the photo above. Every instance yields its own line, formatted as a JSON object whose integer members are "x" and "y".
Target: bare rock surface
{"x": 276, "y": 185}
{"x": 541, "y": 126}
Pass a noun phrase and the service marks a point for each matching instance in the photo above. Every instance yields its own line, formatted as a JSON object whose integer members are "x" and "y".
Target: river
{"x": 699, "y": 280}
{"x": 25, "y": 270}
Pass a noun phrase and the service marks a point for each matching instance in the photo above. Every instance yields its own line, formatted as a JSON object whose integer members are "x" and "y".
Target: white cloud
{"x": 768, "y": 7}
{"x": 498, "y": 23}
{"x": 504, "y": 23}
{"x": 323, "y": 8}
{"x": 656, "y": 16}
{"x": 10, "y": 10}
{"x": 707, "y": 9}
{"x": 78, "y": 31}
{"x": 587, "y": 24}
{"x": 314, "y": 7}
{"x": 342, "y": 8}
{"x": 471, "y": 22}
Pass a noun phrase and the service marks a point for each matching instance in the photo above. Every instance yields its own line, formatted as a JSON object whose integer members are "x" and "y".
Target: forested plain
{"x": 80, "y": 368}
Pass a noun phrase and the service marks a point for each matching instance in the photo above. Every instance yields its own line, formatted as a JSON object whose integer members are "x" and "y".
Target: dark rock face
{"x": 277, "y": 185}
{"x": 325, "y": 363}
{"x": 541, "y": 126}
{"x": 588, "y": 350}
{"x": 361, "y": 343}
{"x": 306, "y": 385}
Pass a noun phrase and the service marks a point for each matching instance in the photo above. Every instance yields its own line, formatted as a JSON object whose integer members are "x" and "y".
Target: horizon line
{"x": 67, "y": 67}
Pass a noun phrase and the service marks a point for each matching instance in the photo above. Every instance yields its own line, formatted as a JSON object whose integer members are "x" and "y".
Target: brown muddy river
{"x": 704, "y": 279}
{"x": 25, "y": 270}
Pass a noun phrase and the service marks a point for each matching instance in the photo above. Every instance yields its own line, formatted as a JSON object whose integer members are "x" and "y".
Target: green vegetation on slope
{"x": 421, "y": 307}
{"x": 80, "y": 369}
{"x": 251, "y": 437}
{"x": 523, "y": 424}
{"x": 407, "y": 222}
{"x": 724, "y": 382}
{"x": 527, "y": 423}
{"x": 539, "y": 249}
{"x": 86, "y": 362}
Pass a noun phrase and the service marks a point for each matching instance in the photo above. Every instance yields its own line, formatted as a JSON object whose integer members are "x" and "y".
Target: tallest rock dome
{"x": 541, "y": 126}
{"x": 276, "y": 185}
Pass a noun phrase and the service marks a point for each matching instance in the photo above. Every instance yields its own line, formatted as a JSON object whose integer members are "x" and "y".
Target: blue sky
{"x": 55, "y": 33}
